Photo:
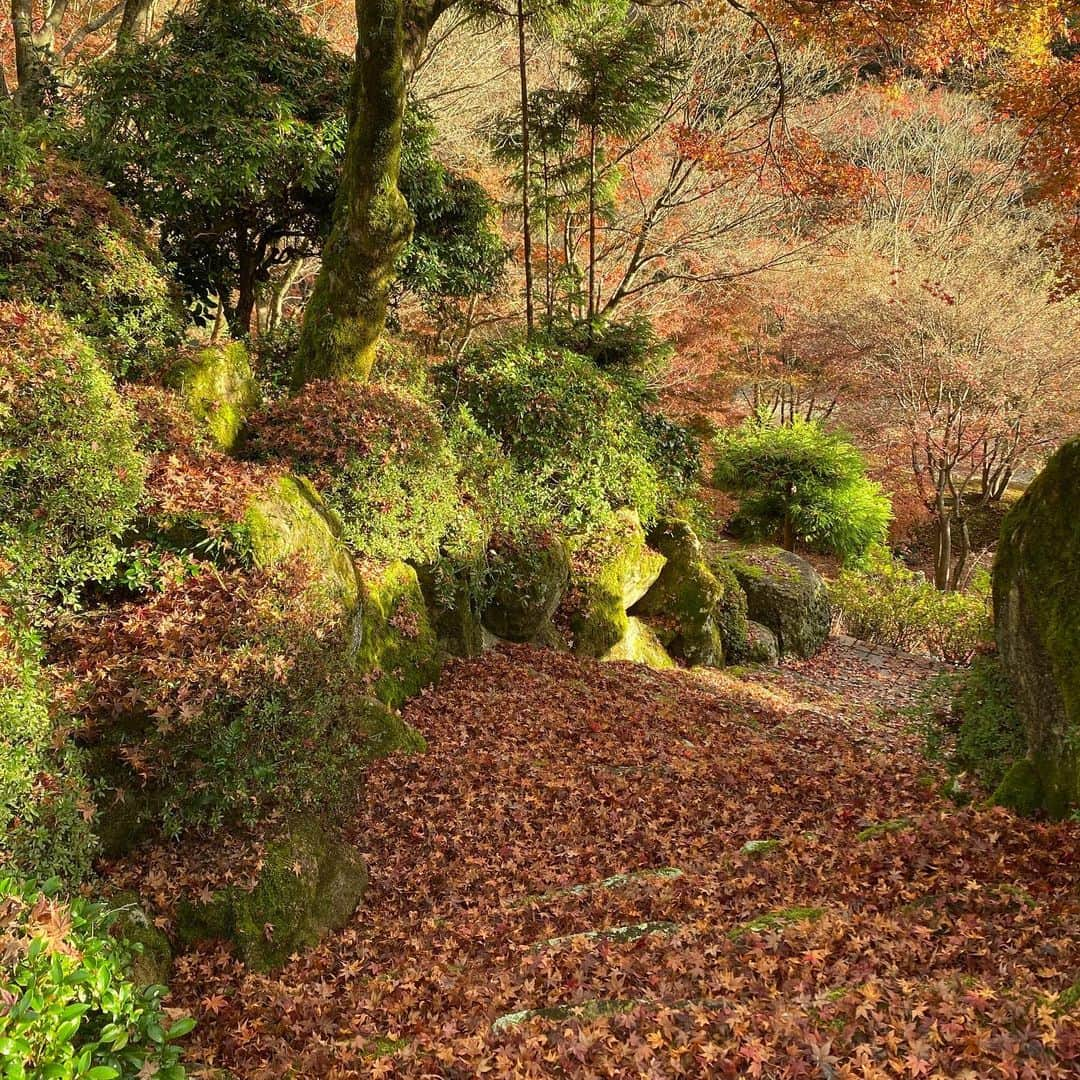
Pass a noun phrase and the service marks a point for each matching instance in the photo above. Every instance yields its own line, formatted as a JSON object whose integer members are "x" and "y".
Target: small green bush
{"x": 70, "y": 1009}
{"x": 799, "y": 482}
{"x": 70, "y": 475}
{"x": 225, "y": 696}
{"x": 44, "y": 804}
{"x": 580, "y": 434}
{"x": 971, "y": 723}
{"x": 68, "y": 245}
{"x": 633, "y": 345}
{"x": 885, "y": 602}
{"x": 380, "y": 457}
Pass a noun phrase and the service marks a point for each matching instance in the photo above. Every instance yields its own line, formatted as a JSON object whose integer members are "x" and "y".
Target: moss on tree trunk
{"x": 372, "y": 223}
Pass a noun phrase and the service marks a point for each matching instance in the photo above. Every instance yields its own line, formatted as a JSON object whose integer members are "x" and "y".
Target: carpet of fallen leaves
{"x": 887, "y": 933}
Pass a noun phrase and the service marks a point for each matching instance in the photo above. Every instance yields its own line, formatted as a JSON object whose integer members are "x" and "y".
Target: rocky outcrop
{"x": 1037, "y": 623}
{"x": 529, "y": 580}
{"x": 218, "y": 388}
{"x": 640, "y": 645}
{"x": 682, "y": 607}
{"x": 784, "y": 593}
{"x": 309, "y": 884}
{"x": 290, "y": 521}
{"x": 612, "y": 569}
{"x": 394, "y": 648}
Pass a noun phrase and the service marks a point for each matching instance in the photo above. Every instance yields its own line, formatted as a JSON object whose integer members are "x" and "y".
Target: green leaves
{"x": 76, "y": 1015}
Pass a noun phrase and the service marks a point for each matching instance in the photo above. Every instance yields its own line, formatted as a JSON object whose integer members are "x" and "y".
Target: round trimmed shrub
{"x": 582, "y": 435}
{"x": 71, "y": 477}
{"x": 380, "y": 457}
{"x": 68, "y": 245}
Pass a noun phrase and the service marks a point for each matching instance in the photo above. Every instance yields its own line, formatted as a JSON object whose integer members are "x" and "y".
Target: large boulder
{"x": 640, "y": 645}
{"x": 529, "y": 579}
{"x": 289, "y": 521}
{"x": 1037, "y": 621}
{"x": 394, "y": 648}
{"x": 219, "y": 389}
{"x": 310, "y": 882}
{"x": 784, "y": 593}
{"x": 682, "y": 606}
{"x": 612, "y": 569}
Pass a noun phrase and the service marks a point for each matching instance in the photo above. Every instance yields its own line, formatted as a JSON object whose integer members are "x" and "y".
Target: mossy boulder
{"x": 453, "y": 608}
{"x": 1037, "y": 622}
{"x": 394, "y": 648}
{"x": 640, "y": 645}
{"x": 612, "y": 568}
{"x": 152, "y": 957}
{"x": 784, "y": 593}
{"x": 682, "y": 606}
{"x": 291, "y": 520}
{"x": 218, "y": 388}
{"x": 529, "y": 578}
{"x": 761, "y": 645}
{"x": 310, "y": 883}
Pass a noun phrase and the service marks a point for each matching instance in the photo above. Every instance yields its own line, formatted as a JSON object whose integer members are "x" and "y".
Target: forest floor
{"x": 602, "y": 870}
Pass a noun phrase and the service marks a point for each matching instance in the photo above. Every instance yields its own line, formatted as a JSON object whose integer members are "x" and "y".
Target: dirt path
{"x": 600, "y": 870}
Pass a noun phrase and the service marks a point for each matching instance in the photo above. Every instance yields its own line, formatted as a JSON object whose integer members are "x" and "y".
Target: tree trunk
{"x": 943, "y": 546}
{"x": 30, "y": 68}
{"x": 133, "y": 23}
{"x": 372, "y": 224}
{"x": 592, "y": 226}
{"x": 526, "y": 225}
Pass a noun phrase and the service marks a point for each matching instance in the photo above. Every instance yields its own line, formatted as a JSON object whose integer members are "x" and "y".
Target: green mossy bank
{"x": 1037, "y": 623}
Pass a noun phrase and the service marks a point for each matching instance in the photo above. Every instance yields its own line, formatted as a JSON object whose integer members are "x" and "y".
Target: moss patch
{"x": 394, "y": 647}
{"x": 682, "y": 606}
{"x": 612, "y": 569}
{"x": 640, "y": 645}
{"x": 1037, "y": 621}
{"x": 291, "y": 520}
{"x": 151, "y": 962}
{"x": 883, "y": 828}
{"x": 1021, "y": 789}
{"x": 776, "y": 920}
{"x": 310, "y": 883}
{"x": 529, "y": 579}
{"x": 219, "y": 389}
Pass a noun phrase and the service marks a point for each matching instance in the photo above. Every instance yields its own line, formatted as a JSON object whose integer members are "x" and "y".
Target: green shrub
{"x": 633, "y": 345}
{"x": 70, "y": 475}
{"x": 799, "y": 482}
{"x": 885, "y": 602}
{"x": 972, "y": 724}
{"x": 221, "y": 698}
{"x": 579, "y": 434}
{"x": 44, "y": 805}
{"x": 67, "y": 245}
{"x": 70, "y": 1007}
{"x": 380, "y": 457}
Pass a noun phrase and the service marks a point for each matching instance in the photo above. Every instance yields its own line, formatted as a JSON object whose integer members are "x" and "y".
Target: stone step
{"x": 616, "y": 881}
{"x": 621, "y": 935}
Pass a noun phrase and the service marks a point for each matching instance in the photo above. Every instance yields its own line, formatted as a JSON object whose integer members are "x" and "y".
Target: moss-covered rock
{"x": 640, "y": 645}
{"x": 761, "y": 645}
{"x": 310, "y": 883}
{"x": 394, "y": 647}
{"x": 291, "y": 520}
{"x": 453, "y": 609}
{"x": 682, "y": 607}
{"x": 529, "y": 579}
{"x": 152, "y": 958}
{"x": 1037, "y": 622}
{"x": 612, "y": 568}
{"x": 783, "y": 592}
{"x": 219, "y": 389}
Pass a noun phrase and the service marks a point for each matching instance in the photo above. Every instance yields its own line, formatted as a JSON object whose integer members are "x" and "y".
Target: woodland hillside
{"x": 539, "y": 539}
